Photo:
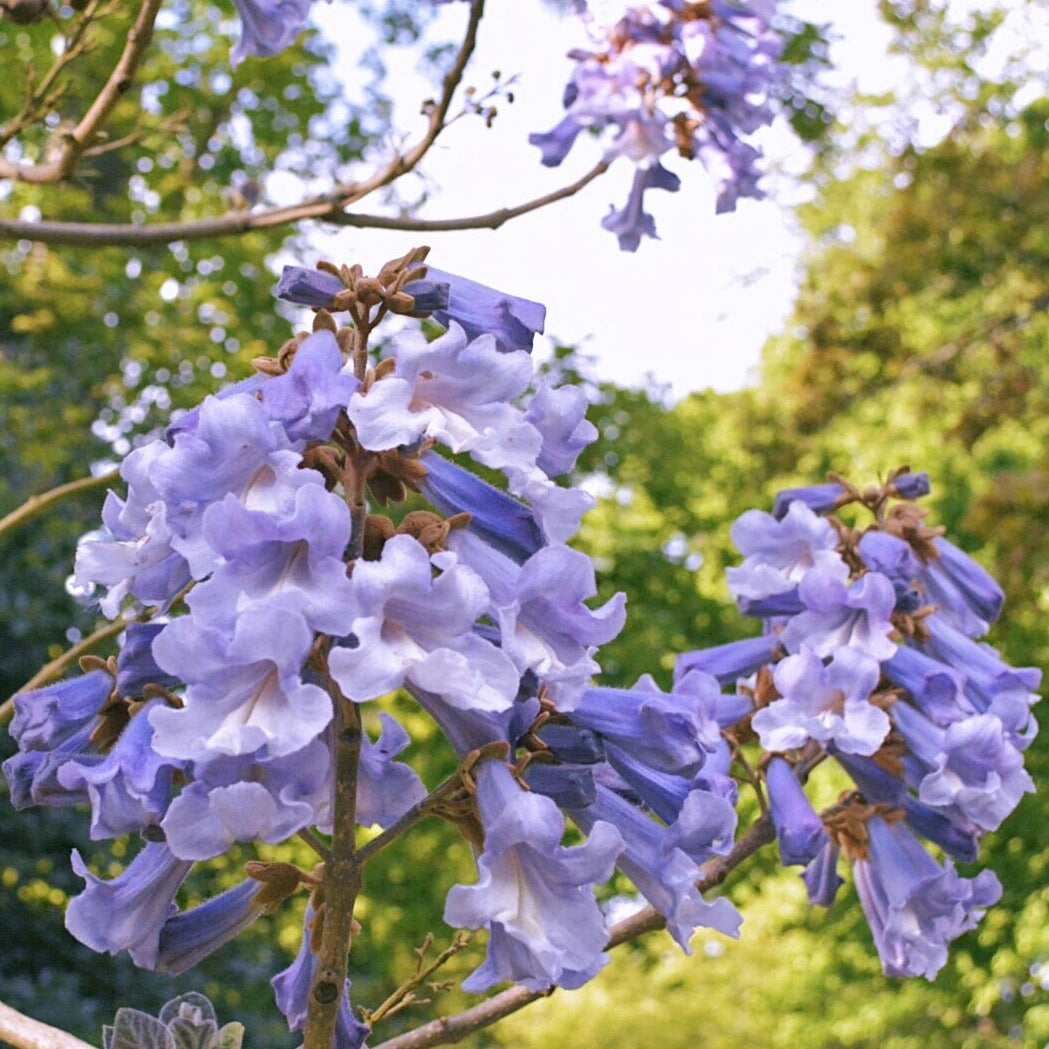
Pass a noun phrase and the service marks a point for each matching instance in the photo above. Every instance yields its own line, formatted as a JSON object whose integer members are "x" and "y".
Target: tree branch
{"x": 327, "y": 208}
{"x": 24, "y": 1033}
{"x": 83, "y": 135}
{"x": 454, "y": 1028}
{"x": 36, "y": 504}
{"x": 44, "y": 94}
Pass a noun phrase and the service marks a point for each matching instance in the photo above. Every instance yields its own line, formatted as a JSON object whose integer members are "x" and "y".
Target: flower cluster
{"x": 673, "y": 75}
{"x": 869, "y": 655}
{"x": 278, "y": 595}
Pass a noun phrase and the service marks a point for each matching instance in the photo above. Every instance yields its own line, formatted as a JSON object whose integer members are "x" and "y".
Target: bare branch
{"x": 22, "y": 1032}
{"x": 44, "y": 94}
{"x": 326, "y": 208}
{"x": 36, "y": 504}
{"x": 83, "y": 136}
{"x": 447, "y": 1029}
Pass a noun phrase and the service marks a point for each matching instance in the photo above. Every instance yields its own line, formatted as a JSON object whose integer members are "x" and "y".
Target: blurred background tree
{"x": 919, "y": 335}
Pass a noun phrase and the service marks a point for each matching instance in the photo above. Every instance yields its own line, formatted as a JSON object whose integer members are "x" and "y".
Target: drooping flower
{"x": 915, "y": 907}
{"x": 532, "y": 893}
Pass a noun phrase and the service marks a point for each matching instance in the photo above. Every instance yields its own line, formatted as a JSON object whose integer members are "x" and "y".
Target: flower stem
{"x": 342, "y": 880}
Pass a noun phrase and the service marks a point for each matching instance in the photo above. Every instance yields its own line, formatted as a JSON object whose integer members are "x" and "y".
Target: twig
{"x": 46, "y": 93}
{"x": 22, "y": 1032}
{"x": 404, "y": 995}
{"x": 454, "y": 1028}
{"x": 83, "y": 135}
{"x": 36, "y": 504}
{"x": 315, "y": 843}
{"x": 416, "y": 814}
{"x": 327, "y": 208}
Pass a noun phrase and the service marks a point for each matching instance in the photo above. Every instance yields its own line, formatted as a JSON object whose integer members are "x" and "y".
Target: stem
{"x": 454, "y": 1028}
{"x": 342, "y": 880}
{"x": 37, "y": 503}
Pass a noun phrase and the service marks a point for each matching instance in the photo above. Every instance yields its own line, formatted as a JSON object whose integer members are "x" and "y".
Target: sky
{"x": 692, "y": 309}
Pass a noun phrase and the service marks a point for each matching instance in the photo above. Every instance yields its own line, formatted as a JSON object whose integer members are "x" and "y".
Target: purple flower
{"x": 967, "y": 596}
{"x": 668, "y": 732}
{"x": 914, "y": 907}
{"x": 386, "y": 789}
{"x": 798, "y": 829}
{"x": 479, "y": 310}
{"x": 820, "y": 498}
{"x": 128, "y": 912}
{"x": 307, "y": 398}
{"x": 533, "y": 893}
{"x": 825, "y": 703}
{"x": 128, "y": 788}
{"x": 500, "y": 520}
{"x": 136, "y": 666}
{"x": 661, "y": 871}
{"x": 821, "y": 877}
{"x": 936, "y": 689}
{"x": 633, "y": 222}
{"x": 840, "y": 614}
{"x": 189, "y": 936}
{"x": 250, "y": 798}
{"x": 53, "y": 726}
{"x": 730, "y": 662}
{"x": 268, "y": 26}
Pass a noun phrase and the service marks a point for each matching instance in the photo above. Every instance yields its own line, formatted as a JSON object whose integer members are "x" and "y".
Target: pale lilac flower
{"x": 779, "y": 554}
{"x": 825, "y": 703}
{"x": 454, "y": 391}
{"x": 969, "y": 769}
{"x": 409, "y": 626}
{"x": 840, "y": 614}
{"x": 914, "y": 907}
{"x": 532, "y": 893}
{"x": 559, "y": 414}
{"x": 268, "y": 26}
{"x": 244, "y": 689}
{"x": 545, "y": 625}
{"x": 127, "y": 912}
{"x": 250, "y": 798}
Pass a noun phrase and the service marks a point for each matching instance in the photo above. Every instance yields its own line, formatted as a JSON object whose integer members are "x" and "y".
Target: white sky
{"x": 693, "y": 308}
